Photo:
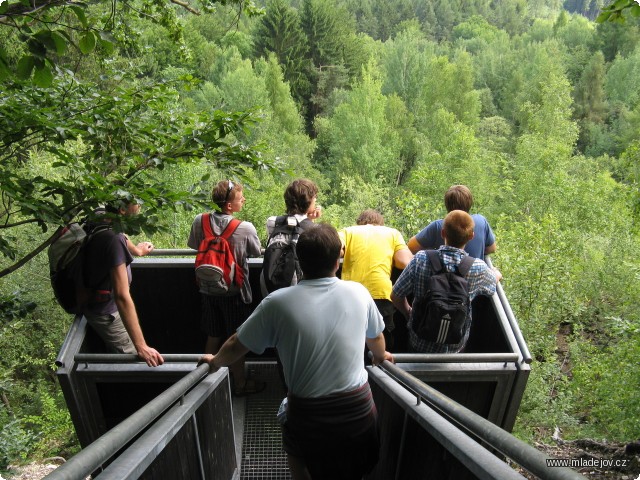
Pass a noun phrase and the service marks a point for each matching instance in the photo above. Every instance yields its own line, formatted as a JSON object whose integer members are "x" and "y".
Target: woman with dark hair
{"x": 300, "y": 201}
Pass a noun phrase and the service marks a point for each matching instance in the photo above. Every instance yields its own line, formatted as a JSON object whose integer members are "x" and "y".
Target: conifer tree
{"x": 280, "y": 32}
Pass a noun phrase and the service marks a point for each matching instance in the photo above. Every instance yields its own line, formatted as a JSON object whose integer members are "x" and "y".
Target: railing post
{"x": 402, "y": 442}
{"x": 203, "y": 476}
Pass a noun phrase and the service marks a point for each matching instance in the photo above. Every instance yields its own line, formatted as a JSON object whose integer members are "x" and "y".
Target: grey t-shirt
{"x": 244, "y": 242}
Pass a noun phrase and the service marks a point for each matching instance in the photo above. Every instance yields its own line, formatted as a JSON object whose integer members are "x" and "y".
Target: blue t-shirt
{"x": 431, "y": 236}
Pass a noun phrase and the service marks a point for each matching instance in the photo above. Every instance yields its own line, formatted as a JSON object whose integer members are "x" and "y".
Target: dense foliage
{"x": 385, "y": 104}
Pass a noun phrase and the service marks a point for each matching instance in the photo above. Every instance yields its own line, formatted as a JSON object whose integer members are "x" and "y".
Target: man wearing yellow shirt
{"x": 371, "y": 250}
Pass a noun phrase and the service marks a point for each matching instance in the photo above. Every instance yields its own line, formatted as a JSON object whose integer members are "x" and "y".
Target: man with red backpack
{"x": 224, "y": 244}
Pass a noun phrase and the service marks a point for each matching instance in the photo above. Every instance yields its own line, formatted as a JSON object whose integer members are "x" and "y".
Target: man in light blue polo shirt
{"x": 320, "y": 327}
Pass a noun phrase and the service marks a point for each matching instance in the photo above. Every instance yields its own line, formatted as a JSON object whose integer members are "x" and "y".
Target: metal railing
{"x": 455, "y": 358}
{"x": 515, "y": 328}
{"x": 95, "y": 455}
{"x": 132, "y": 358}
{"x": 520, "y": 452}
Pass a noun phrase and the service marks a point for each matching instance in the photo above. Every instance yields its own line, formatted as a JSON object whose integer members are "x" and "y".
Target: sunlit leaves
{"x": 43, "y": 77}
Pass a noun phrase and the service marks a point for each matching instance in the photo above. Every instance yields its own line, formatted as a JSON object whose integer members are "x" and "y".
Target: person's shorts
{"x": 111, "y": 329}
{"x": 221, "y": 316}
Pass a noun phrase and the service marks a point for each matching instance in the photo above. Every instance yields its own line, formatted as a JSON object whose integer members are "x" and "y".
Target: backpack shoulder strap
{"x": 207, "y": 230}
{"x": 230, "y": 229}
{"x": 465, "y": 265}
{"x": 281, "y": 220}
{"x": 281, "y": 225}
{"x": 434, "y": 258}
{"x": 97, "y": 230}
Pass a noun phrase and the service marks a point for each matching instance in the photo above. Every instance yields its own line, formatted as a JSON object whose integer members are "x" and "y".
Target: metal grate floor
{"x": 262, "y": 454}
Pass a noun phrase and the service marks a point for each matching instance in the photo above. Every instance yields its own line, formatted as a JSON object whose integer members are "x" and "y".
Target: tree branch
{"x": 23, "y": 222}
{"x": 20, "y": 9}
{"x": 186, "y": 6}
{"x": 29, "y": 256}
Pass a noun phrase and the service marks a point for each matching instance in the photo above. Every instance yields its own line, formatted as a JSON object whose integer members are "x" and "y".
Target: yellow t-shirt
{"x": 368, "y": 257}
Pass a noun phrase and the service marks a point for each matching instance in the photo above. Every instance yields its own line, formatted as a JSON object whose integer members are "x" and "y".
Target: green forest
{"x": 535, "y": 105}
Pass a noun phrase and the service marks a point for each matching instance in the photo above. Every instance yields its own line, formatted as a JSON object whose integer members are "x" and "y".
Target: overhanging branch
{"x": 186, "y": 6}
{"x": 32, "y": 254}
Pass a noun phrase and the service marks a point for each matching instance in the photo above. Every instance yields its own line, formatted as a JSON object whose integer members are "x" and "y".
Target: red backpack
{"x": 216, "y": 267}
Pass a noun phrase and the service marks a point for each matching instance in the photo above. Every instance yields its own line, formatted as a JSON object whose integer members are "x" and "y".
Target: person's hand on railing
{"x": 378, "y": 361}
{"x": 150, "y": 355}
{"x": 208, "y": 358}
{"x": 497, "y": 273}
{"x": 144, "y": 248}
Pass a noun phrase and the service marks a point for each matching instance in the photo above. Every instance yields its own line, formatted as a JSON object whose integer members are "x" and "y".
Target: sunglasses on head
{"x": 229, "y": 188}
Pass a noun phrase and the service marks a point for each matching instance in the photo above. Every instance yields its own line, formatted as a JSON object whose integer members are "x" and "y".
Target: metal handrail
{"x": 131, "y": 358}
{"x": 66, "y": 345}
{"x": 515, "y": 328}
{"x": 189, "y": 252}
{"x": 97, "y": 453}
{"x": 455, "y": 357}
{"x": 131, "y": 463}
{"x": 398, "y": 357}
{"x": 172, "y": 252}
{"x": 520, "y": 452}
{"x": 484, "y": 464}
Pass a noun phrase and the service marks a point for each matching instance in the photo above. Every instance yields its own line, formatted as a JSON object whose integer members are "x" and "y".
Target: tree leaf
{"x": 60, "y": 42}
{"x": 36, "y": 47}
{"x": 87, "y": 43}
{"x": 25, "y": 67}
{"x": 107, "y": 42}
{"x": 43, "y": 77}
{"x": 79, "y": 11}
{"x": 620, "y": 4}
{"x": 5, "y": 71}
{"x": 44, "y": 37}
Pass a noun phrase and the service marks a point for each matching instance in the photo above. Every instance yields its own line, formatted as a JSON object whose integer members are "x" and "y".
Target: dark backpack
{"x": 280, "y": 267}
{"x": 66, "y": 269}
{"x": 216, "y": 267}
{"x": 441, "y": 314}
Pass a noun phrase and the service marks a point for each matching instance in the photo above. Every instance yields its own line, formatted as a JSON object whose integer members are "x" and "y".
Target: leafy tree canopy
{"x": 102, "y": 145}
{"x": 68, "y": 143}
{"x": 615, "y": 11}
{"x": 50, "y": 28}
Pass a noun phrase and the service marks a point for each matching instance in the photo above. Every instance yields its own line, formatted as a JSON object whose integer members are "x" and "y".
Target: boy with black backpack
{"x": 443, "y": 284}
{"x": 281, "y": 267}
{"x": 224, "y": 243}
